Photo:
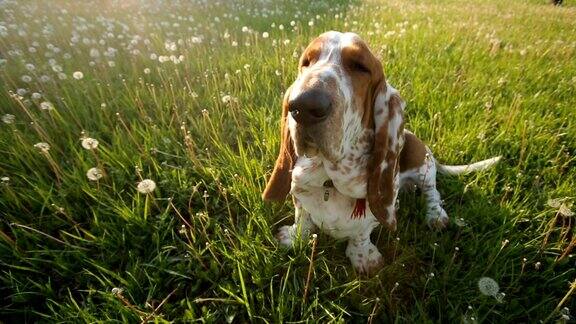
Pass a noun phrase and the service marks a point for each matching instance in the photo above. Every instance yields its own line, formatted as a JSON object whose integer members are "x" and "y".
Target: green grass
{"x": 481, "y": 78}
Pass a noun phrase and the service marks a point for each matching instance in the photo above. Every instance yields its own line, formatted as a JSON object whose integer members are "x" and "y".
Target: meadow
{"x": 136, "y": 138}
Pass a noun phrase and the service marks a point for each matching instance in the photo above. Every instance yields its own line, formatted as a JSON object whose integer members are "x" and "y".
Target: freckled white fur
{"x": 333, "y": 217}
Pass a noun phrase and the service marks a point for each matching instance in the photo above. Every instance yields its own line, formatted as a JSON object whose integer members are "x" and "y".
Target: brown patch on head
{"x": 413, "y": 154}
{"x": 311, "y": 53}
{"x": 367, "y": 78}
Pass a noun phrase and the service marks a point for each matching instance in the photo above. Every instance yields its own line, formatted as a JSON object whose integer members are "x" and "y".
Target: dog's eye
{"x": 305, "y": 62}
{"x": 357, "y": 66}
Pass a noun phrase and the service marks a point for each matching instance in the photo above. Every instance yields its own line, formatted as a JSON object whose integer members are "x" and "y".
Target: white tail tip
{"x": 463, "y": 169}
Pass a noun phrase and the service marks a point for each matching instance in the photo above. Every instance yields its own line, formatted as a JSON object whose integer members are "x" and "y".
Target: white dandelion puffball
{"x": 78, "y": 75}
{"x": 89, "y": 143}
{"x": 94, "y": 174}
{"x": 488, "y": 286}
{"x": 146, "y": 186}
{"x": 44, "y": 147}
{"x": 8, "y": 119}
{"x": 46, "y": 105}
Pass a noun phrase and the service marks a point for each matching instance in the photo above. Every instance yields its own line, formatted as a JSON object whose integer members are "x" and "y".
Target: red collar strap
{"x": 359, "y": 209}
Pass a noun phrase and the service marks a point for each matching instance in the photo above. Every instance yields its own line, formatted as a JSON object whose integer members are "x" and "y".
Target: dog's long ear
{"x": 278, "y": 185}
{"x": 383, "y": 167}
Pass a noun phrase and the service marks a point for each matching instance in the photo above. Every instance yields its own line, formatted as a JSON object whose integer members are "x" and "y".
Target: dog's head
{"x": 333, "y": 95}
{"x": 339, "y": 99}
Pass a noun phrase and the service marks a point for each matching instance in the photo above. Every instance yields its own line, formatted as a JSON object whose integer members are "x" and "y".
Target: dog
{"x": 344, "y": 152}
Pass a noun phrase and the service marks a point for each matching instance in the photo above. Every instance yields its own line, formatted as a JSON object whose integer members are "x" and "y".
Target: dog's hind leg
{"x": 436, "y": 216}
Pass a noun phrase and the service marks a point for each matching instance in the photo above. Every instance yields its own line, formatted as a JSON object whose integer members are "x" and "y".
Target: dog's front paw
{"x": 286, "y": 235}
{"x": 436, "y": 217}
{"x": 366, "y": 259}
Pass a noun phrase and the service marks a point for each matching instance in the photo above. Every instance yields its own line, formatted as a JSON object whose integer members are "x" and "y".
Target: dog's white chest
{"x": 330, "y": 210}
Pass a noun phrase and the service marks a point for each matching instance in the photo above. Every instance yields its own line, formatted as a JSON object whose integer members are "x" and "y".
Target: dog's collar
{"x": 359, "y": 207}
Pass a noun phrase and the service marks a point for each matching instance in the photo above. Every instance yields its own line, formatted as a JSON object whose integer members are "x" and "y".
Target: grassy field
{"x": 188, "y": 95}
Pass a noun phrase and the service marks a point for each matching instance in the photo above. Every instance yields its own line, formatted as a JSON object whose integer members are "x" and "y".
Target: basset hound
{"x": 344, "y": 152}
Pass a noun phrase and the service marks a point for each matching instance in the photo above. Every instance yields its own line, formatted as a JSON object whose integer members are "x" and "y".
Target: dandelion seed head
{"x": 46, "y": 105}
{"x": 117, "y": 291}
{"x": 565, "y": 211}
{"x": 43, "y": 147}
{"x": 94, "y": 174}
{"x": 146, "y": 186}
{"x": 78, "y": 75}
{"x": 460, "y": 222}
{"x": 8, "y": 118}
{"x": 89, "y": 143}
{"x": 488, "y": 286}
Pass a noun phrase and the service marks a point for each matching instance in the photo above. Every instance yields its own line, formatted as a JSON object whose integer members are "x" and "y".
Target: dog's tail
{"x": 467, "y": 168}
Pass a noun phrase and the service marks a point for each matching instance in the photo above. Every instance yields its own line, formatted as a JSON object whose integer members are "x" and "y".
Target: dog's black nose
{"x": 310, "y": 107}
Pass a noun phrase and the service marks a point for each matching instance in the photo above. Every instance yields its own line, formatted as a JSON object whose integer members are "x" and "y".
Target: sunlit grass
{"x": 188, "y": 96}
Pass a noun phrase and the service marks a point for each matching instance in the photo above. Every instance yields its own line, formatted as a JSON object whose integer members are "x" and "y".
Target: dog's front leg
{"x": 302, "y": 226}
{"x": 363, "y": 254}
